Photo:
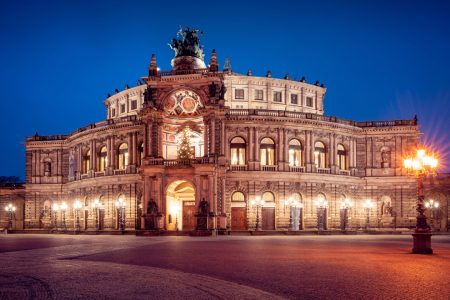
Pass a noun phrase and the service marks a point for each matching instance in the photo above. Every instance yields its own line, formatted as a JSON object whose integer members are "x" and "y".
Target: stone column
{"x": 307, "y": 150}
{"x": 250, "y": 144}
{"x": 205, "y": 137}
{"x": 223, "y": 137}
{"x": 313, "y": 165}
{"x": 279, "y": 146}
{"x": 108, "y": 151}
{"x": 160, "y": 138}
{"x": 354, "y": 157}
{"x": 145, "y": 199}
{"x": 133, "y": 143}
{"x": 212, "y": 134}
{"x": 198, "y": 190}
{"x": 144, "y": 151}
{"x": 113, "y": 152}
{"x": 223, "y": 196}
{"x": 130, "y": 148}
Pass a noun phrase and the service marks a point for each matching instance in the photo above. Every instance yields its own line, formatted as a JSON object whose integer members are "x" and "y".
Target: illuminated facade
{"x": 252, "y": 137}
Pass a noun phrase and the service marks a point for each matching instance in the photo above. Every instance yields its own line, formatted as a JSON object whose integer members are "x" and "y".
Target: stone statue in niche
{"x": 47, "y": 169}
{"x": 152, "y": 208}
{"x": 203, "y": 207}
{"x": 385, "y": 155}
{"x": 387, "y": 209}
{"x": 222, "y": 92}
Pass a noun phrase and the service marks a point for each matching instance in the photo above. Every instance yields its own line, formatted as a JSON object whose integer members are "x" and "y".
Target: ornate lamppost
{"x": 321, "y": 205}
{"x": 256, "y": 204}
{"x": 346, "y": 205}
{"x": 96, "y": 205}
{"x": 63, "y": 209}
{"x": 367, "y": 207}
{"x": 291, "y": 204}
{"x": 10, "y": 208}
{"x": 121, "y": 207}
{"x": 423, "y": 164}
{"x": 77, "y": 207}
{"x": 432, "y": 205}
{"x": 55, "y": 209}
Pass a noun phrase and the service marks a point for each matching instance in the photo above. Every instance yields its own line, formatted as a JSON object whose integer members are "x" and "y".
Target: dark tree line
{"x": 9, "y": 179}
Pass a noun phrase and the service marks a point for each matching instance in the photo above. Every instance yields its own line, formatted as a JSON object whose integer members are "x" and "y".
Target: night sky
{"x": 381, "y": 61}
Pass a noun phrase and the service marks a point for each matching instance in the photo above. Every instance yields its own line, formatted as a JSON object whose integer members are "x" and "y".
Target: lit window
{"x": 238, "y": 151}
{"x": 123, "y": 156}
{"x": 295, "y": 153}
{"x": 87, "y": 160}
{"x": 342, "y": 157}
{"x": 141, "y": 153}
{"x": 319, "y": 155}
{"x": 267, "y": 150}
{"x": 268, "y": 197}
{"x": 238, "y": 196}
{"x": 296, "y": 197}
{"x": 103, "y": 159}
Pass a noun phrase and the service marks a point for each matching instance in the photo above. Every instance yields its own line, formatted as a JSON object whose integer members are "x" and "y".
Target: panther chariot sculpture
{"x": 188, "y": 52}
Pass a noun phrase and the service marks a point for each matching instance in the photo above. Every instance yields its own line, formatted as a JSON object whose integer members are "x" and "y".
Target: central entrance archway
{"x": 180, "y": 206}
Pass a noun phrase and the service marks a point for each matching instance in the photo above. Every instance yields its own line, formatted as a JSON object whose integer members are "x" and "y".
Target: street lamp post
{"x": 96, "y": 205}
{"x": 63, "y": 209}
{"x": 256, "y": 204}
{"x": 432, "y": 205}
{"x": 346, "y": 205}
{"x": 423, "y": 164}
{"x": 10, "y": 208}
{"x": 121, "y": 206}
{"x": 55, "y": 209}
{"x": 321, "y": 205}
{"x": 367, "y": 207}
{"x": 291, "y": 204}
{"x": 77, "y": 206}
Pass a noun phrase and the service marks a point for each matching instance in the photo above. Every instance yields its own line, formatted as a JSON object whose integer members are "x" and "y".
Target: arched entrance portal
{"x": 180, "y": 206}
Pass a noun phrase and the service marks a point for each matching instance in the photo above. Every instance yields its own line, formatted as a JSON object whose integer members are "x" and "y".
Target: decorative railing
{"x": 12, "y": 185}
{"x": 269, "y": 168}
{"x": 324, "y": 170}
{"x": 84, "y": 176}
{"x": 99, "y": 174}
{"x": 119, "y": 172}
{"x": 183, "y": 72}
{"x": 344, "y": 172}
{"x": 239, "y": 167}
{"x": 301, "y": 115}
{"x": 179, "y": 162}
{"x": 439, "y": 176}
{"x": 297, "y": 169}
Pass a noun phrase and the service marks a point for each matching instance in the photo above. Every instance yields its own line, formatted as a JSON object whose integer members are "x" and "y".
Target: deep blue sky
{"x": 382, "y": 60}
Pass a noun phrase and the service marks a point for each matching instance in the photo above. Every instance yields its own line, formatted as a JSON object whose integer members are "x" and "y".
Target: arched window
{"x": 342, "y": 157}
{"x": 141, "y": 153}
{"x": 268, "y": 197}
{"x": 319, "y": 155}
{"x": 102, "y": 159}
{"x": 267, "y": 149}
{"x": 295, "y": 153}
{"x": 297, "y": 197}
{"x": 123, "y": 156}
{"x": 238, "y": 196}
{"x": 237, "y": 151}
{"x": 86, "y": 161}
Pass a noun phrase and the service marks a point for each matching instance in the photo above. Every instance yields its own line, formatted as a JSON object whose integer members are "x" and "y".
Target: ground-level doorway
{"x": 180, "y": 206}
{"x": 238, "y": 218}
{"x": 268, "y": 218}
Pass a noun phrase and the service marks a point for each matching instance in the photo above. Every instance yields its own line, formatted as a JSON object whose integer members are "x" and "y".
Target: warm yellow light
{"x": 364, "y": 204}
{"x": 347, "y": 200}
{"x": 420, "y": 153}
{"x": 96, "y": 200}
{"x": 316, "y": 153}
{"x": 63, "y": 206}
{"x": 286, "y": 202}
{"x": 290, "y": 199}
{"x": 291, "y": 151}
{"x": 117, "y": 203}
{"x": 253, "y": 202}
{"x": 325, "y": 203}
{"x": 434, "y": 162}
{"x": 295, "y": 202}
{"x": 93, "y": 204}
{"x": 262, "y": 202}
{"x": 257, "y": 199}
{"x": 55, "y": 207}
{"x": 416, "y": 164}
{"x": 436, "y": 204}
{"x": 426, "y": 160}
{"x": 427, "y": 204}
{"x": 408, "y": 163}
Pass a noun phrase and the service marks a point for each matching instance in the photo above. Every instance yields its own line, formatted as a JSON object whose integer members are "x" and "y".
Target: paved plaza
{"x": 223, "y": 267}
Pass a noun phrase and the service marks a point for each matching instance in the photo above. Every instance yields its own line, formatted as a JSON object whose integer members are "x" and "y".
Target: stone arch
{"x": 167, "y": 93}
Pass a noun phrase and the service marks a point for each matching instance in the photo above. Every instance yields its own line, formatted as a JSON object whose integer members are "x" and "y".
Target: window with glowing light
{"x": 320, "y": 155}
{"x": 237, "y": 147}
{"x": 141, "y": 153}
{"x": 102, "y": 159}
{"x": 295, "y": 153}
{"x": 238, "y": 196}
{"x": 268, "y": 197}
{"x": 123, "y": 156}
{"x": 342, "y": 157}
{"x": 267, "y": 151}
{"x": 296, "y": 196}
{"x": 86, "y": 161}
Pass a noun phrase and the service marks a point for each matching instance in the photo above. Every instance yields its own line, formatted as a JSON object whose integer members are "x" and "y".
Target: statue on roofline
{"x": 190, "y": 45}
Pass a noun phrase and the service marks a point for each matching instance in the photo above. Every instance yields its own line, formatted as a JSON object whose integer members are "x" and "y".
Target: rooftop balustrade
{"x": 12, "y": 185}
{"x": 310, "y": 116}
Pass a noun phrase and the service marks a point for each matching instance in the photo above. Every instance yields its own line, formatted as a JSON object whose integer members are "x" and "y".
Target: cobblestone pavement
{"x": 223, "y": 267}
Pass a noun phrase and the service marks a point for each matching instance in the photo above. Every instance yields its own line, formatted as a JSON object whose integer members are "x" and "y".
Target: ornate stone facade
{"x": 287, "y": 148}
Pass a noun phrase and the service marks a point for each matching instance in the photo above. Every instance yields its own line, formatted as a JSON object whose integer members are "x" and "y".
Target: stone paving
{"x": 222, "y": 267}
